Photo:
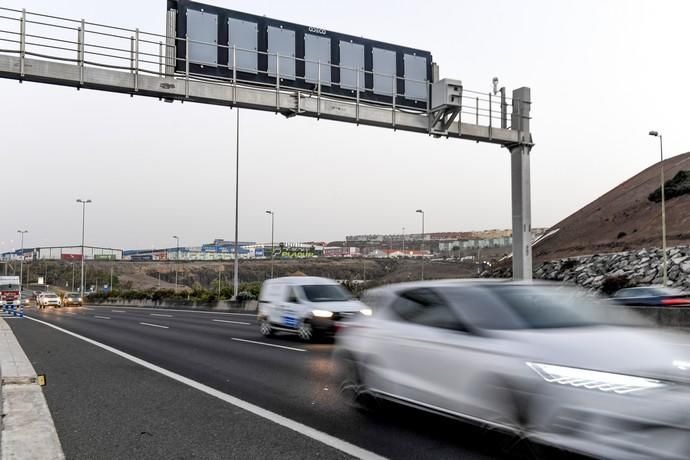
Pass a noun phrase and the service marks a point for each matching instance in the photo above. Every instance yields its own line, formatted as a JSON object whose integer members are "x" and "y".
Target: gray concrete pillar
{"x": 520, "y": 186}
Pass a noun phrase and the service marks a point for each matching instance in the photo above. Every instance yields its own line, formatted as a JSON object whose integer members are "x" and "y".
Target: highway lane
{"x": 281, "y": 374}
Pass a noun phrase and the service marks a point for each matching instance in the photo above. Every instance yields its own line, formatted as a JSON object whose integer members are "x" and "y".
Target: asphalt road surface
{"x": 105, "y": 406}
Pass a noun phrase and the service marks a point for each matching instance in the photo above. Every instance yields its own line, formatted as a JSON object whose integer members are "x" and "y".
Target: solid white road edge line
{"x": 298, "y": 427}
{"x": 231, "y": 322}
{"x": 186, "y": 311}
{"x": 268, "y": 344}
{"x": 158, "y": 314}
{"x": 102, "y": 317}
{"x": 155, "y": 325}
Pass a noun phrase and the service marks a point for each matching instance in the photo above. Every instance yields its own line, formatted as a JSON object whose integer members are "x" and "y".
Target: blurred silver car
{"x": 540, "y": 361}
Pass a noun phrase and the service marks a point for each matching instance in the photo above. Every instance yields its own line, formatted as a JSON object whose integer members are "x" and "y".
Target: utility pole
{"x": 83, "y": 228}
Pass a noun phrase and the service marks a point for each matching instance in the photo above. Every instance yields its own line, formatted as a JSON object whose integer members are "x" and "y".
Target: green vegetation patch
{"x": 679, "y": 185}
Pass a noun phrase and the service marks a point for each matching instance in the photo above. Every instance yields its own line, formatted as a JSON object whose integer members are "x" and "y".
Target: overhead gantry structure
{"x": 48, "y": 49}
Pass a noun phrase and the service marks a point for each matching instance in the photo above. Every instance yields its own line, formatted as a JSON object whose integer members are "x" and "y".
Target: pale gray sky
{"x": 602, "y": 74}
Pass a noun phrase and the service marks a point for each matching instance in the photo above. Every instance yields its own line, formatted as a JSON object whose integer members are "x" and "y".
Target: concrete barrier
{"x": 675, "y": 317}
{"x": 249, "y": 306}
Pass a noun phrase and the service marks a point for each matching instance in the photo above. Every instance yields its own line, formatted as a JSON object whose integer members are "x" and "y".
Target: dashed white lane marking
{"x": 300, "y": 428}
{"x": 118, "y": 311}
{"x": 269, "y": 344}
{"x": 164, "y": 316}
{"x": 231, "y": 322}
{"x": 102, "y": 317}
{"x": 88, "y": 308}
{"x": 69, "y": 313}
{"x": 191, "y": 311}
{"x": 155, "y": 325}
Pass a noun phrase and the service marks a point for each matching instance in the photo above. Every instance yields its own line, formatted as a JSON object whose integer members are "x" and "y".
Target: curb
{"x": 27, "y": 430}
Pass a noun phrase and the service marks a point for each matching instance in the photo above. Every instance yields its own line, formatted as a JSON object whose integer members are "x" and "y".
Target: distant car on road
{"x": 48, "y": 299}
{"x": 652, "y": 296}
{"x": 72, "y": 299}
{"x": 540, "y": 361}
{"x": 305, "y": 305}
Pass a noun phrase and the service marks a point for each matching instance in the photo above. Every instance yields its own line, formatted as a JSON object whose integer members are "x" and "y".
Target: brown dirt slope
{"x": 622, "y": 219}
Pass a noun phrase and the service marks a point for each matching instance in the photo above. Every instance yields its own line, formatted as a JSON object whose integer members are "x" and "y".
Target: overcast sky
{"x": 602, "y": 73}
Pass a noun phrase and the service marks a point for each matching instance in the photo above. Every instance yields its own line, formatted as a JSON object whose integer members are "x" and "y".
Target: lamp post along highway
{"x": 21, "y": 260}
{"x": 422, "y": 245}
{"x": 663, "y": 206}
{"x": 272, "y": 227}
{"x": 83, "y": 228}
{"x": 177, "y": 258}
{"x": 236, "y": 277}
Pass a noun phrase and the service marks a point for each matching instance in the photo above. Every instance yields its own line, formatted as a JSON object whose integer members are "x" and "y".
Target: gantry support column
{"x": 520, "y": 186}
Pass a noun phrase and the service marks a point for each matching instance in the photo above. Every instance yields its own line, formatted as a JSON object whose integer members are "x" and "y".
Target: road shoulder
{"x": 28, "y": 431}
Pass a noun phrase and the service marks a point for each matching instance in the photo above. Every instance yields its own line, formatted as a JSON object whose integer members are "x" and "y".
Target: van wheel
{"x": 306, "y": 331}
{"x": 265, "y": 328}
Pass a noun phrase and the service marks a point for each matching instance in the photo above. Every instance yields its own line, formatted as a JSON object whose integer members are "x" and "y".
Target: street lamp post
{"x": 177, "y": 258}
{"x": 236, "y": 275}
{"x": 663, "y": 205}
{"x": 83, "y": 227}
{"x": 272, "y": 227}
{"x": 422, "y": 246}
{"x": 21, "y": 260}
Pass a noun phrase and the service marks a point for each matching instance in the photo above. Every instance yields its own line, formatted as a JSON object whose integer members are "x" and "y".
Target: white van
{"x": 305, "y": 305}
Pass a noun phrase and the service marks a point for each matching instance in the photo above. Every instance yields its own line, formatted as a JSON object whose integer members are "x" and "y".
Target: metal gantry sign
{"x": 217, "y": 56}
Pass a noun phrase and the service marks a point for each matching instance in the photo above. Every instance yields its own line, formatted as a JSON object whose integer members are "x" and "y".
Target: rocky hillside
{"x": 629, "y": 268}
{"x": 626, "y": 218}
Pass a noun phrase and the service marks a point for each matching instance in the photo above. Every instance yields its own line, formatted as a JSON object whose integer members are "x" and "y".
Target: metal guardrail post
{"x": 136, "y": 60}
{"x": 277, "y": 82}
{"x": 476, "y": 110}
{"x": 131, "y": 54}
{"x": 490, "y": 118}
{"x": 81, "y": 48}
{"x": 318, "y": 91}
{"x": 357, "y": 98}
{"x": 394, "y": 93}
{"x": 22, "y": 42}
{"x": 186, "y": 66}
{"x": 160, "y": 58}
{"x": 234, "y": 74}
{"x": 504, "y": 109}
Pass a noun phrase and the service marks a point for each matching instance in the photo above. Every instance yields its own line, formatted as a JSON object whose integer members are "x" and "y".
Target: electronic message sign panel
{"x": 259, "y": 48}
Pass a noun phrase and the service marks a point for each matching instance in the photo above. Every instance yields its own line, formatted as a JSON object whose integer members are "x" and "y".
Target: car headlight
{"x": 366, "y": 311}
{"x": 322, "y": 313}
{"x": 80, "y": 299}
{"x": 594, "y": 380}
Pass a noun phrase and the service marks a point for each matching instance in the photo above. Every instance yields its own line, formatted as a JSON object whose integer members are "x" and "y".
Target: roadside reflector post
{"x": 41, "y": 380}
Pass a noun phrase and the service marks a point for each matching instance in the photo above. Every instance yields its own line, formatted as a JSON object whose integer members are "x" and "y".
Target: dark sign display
{"x": 260, "y": 49}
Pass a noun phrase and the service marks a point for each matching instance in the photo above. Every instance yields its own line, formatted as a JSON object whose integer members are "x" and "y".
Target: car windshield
{"x": 72, "y": 294}
{"x": 51, "y": 296}
{"x": 326, "y": 293}
{"x": 535, "y": 307}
